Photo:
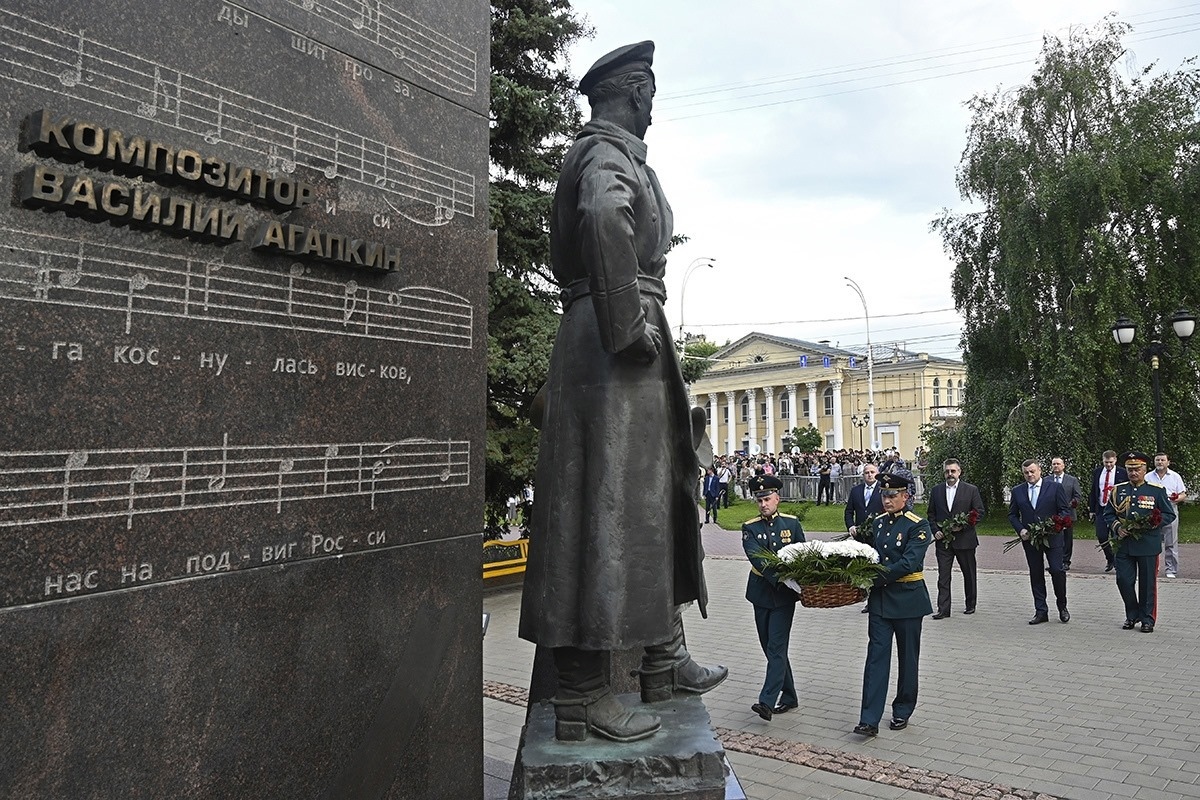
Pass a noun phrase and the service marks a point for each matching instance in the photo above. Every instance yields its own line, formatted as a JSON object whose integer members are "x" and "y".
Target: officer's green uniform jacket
{"x": 900, "y": 592}
{"x": 1126, "y": 500}
{"x": 763, "y": 587}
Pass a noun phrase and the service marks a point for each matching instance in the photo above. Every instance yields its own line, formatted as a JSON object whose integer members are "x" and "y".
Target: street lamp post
{"x": 703, "y": 261}
{"x": 870, "y": 363}
{"x": 860, "y": 423}
{"x": 1183, "y": 323}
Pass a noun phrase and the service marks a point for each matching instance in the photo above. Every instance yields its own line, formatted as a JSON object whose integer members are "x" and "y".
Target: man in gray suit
{"x": 1074, "y": 493}
{"x": 946, "y": 500}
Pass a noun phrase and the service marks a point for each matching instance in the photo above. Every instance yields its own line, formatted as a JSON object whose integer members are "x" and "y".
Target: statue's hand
{"x": 646, "y": 348}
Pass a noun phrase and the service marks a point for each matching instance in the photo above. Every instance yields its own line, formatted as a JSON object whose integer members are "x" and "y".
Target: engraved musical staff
{"x": 34, "y": 54}
{"x": 54, "y": 486}
{"x": 67, "y": 271}
{"x": 430, "y": 54}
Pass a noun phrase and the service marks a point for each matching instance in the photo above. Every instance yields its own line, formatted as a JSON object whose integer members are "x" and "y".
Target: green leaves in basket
{"x": 817, "y": 563}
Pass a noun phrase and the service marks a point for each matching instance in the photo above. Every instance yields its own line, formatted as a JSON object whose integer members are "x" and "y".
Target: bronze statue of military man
{"x": 615, "y": 543}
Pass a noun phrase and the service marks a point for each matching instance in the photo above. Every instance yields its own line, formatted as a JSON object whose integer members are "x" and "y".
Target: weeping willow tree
{"x": 1084, "y": 185}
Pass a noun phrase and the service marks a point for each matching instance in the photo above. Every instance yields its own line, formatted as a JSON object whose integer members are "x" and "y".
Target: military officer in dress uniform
{"x": 774, "y": 604}
{"x": 897, "y": 603}
{"x": 1136, "y": 553}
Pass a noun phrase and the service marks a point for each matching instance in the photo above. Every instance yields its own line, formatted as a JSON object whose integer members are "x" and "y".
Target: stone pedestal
{"x": 683, "y": 761}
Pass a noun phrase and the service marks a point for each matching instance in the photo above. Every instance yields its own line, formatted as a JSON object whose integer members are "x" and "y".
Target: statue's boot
{"x": 668, "y": 669}
{"x": 585, "y": 702}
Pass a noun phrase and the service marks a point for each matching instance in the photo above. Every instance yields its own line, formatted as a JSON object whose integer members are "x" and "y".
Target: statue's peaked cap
{"x": 624, "y": 59}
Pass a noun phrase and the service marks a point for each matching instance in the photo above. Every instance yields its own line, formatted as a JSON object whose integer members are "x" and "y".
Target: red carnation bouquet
{"x": 1042, "y": 529}
{"x": 1135, "y": 524}
{"x": 960, "y": 521}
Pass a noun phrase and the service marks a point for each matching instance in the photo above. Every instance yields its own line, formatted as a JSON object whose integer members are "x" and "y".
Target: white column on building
{"x": 769, "y": 395}
{"x": 837, "y": 414}
{"x": 812, "y": 404}
{"x": 752, "y": 405}
{"x": 714, "y": 425}
{"x": 729, "y": 398}
{"x": 792, "y": 403}
{"x": 691, "y": 400}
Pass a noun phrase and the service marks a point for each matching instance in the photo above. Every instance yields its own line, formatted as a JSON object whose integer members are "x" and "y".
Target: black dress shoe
{"x": 763, "y": 710}
{"x": 1147, "y": 627}
{"x": 1109, "y": 568}
{"x": 1064, "y": 615}
{"x": 940, "y": 615}
{"x": 1038, "y": 619}
{"x": 898, "y": 724}
{"x": 864, "y": 610}
{"x": 782, "y": 709}
{"x": 969, "y": 611}
{"x": 863, "y": 729}
{"x": 1128, "y": 625}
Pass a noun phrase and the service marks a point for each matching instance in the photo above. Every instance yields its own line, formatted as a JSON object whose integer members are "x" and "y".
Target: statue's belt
{"x": 580, "y": 288}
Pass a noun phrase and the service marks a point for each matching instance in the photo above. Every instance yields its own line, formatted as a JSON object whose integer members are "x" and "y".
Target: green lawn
{"x": 829, "y": 518}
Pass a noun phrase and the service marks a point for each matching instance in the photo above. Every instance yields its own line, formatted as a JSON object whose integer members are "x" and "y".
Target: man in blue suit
{"x": 1033, "y": 501}
{"x": 774, "y": 604}
{"x": 863, "y": 501}
{"x": 1104, "y": 478}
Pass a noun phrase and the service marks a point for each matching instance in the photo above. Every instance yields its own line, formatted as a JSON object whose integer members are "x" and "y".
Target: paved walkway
{"x": 1083, "y": 711}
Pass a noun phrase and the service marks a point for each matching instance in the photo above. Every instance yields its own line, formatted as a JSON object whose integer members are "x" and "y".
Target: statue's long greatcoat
{"x": 616, "y": 537}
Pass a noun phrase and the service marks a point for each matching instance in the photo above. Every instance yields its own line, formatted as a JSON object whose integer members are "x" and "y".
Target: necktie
{"x": 1033, "y": 494}
{"x": 866, "y": 495}
{"x": 1107, "y": 486}
{"x": 1058, "y": 479}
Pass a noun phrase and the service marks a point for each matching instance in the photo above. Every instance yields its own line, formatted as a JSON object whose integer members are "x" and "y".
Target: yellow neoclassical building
{"x": 761, "y": 386}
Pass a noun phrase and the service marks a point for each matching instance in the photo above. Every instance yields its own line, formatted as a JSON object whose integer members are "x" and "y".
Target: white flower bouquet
{"x": 826, "y": 574}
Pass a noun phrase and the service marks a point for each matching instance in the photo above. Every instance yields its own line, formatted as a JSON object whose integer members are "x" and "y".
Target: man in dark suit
{"x": 897, "y": 603}
{"x": 952, "y": 497}
{"x": 774, "y": 604}
{"x": 1137, "y": 549}
{"x": 712, "y": 494}
{"x": 1038, "y": 500}
{"x": 864, "y": 500}
{"x": 1103, "y": 479}
{"x": 1073, "y": 491}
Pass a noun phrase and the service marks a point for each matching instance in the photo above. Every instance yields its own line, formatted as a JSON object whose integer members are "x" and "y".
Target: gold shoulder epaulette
{"x": 756, "y": 519}
{"x": 788, "y": 516}
{"x": 912, "y": 516}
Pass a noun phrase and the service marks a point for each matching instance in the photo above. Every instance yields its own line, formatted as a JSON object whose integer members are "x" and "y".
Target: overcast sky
{"x": 802, "y": 142}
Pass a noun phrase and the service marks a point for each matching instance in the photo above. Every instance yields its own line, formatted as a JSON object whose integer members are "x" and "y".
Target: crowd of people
{"x": 734, "y": 472}
{"x": 1134, "y": 507}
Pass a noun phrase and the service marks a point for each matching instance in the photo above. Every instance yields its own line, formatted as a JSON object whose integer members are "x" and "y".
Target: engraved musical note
{"x": 349, "y": 302}
{"x": 183, "y": 478}
{"x": 217, "y": 482}
{"x": 210, "y": 269}
{"x": 308, "y": 5}
{"x": 331, "y": 451}
{"x": 137, "y": 283}
{"x": 381, "y": 180}
{"x": 289, "y": 164}
{"x": 76, "y": 460}
{"x": 160, "y": 87}
{"x": 72, "y": 77}
{"x": 285, "y": 466}
{"x": 377, "y": 470}
{"x": 214, "y": 136}
{"x": 331, "y": 171}
{"x": 41, "y": 279}
{"x": 140, "y": 473}
{"x": 295, "y": 271}
{"x": 445, "y": 476}
{"x": 71, "y": 277}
